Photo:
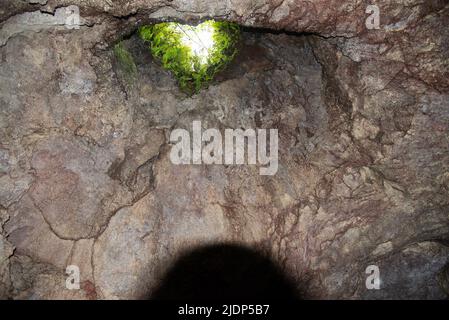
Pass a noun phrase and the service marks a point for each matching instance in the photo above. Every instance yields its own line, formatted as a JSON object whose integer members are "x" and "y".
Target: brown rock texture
{"x": 363, "y": 120}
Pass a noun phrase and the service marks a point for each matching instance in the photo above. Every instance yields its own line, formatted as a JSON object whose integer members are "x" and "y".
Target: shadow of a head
{"x": 224, "y": 272}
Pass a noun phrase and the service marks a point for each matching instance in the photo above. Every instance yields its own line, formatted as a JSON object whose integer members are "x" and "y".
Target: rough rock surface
{"x": 363, "y": 120}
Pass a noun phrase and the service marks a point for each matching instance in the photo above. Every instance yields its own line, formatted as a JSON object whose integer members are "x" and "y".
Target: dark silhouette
{"x": 225, "y": 272}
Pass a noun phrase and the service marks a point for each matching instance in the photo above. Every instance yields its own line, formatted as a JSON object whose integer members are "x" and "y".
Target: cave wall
{"x": 363, "y": 119}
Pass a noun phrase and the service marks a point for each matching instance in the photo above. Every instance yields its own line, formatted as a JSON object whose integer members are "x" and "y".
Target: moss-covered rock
{"x": 192, "y": 70}
{"x": 125, "y": 61}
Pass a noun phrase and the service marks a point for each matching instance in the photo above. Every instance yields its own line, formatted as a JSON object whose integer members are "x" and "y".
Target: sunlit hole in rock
{"x": 193, "y": 53}
{"x": 199, "y": 39}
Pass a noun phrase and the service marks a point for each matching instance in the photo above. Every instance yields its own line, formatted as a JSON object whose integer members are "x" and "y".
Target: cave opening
{"x": 193, "y": 53}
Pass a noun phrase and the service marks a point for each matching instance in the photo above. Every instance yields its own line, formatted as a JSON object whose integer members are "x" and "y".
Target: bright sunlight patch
{"x": 194, "y": 54}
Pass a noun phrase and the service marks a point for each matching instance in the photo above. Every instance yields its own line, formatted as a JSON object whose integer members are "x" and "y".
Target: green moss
{"x": 192, "y": 73}
{"x": 125, "y": 60}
